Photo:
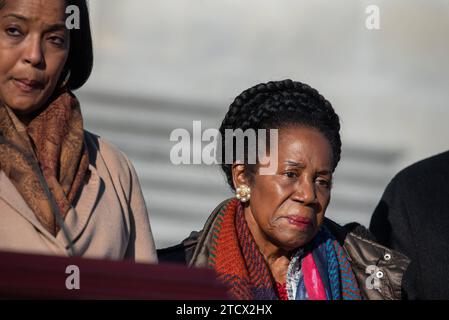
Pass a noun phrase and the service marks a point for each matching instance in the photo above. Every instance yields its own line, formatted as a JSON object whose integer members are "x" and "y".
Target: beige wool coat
{"x": 108, "y": 220}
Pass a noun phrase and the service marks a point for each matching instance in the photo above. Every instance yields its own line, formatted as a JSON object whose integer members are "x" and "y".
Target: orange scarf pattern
{"x": 46, "y": 158}
{"x": 236, "y": 258}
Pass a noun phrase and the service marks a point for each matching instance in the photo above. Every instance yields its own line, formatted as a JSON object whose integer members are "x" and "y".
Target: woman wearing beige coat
{"x": 63, "y": 191}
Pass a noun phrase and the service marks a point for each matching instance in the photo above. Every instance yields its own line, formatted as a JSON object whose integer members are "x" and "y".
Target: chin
{"x": 293, "y": 244}
{"x": 24, "y": 106}
{"x": 296, "y": 241}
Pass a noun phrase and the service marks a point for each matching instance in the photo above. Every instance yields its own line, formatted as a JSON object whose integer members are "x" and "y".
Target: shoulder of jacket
{"x": 415, "y": 172}
{"x": 370, "y": 259}
{"x": 180, "y": 253}
{"x": 193, "y": 251}
{"x": 356, "y": 238}
{"x": 110, "y": 154}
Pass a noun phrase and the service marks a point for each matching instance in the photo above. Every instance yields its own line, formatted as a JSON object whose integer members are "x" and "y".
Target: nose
{"x": 305, "y": 191}
{"x": 34, "y": 53}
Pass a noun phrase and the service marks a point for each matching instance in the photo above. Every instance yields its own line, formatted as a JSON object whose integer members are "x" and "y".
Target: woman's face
{"x": 287, "y": 209}
{"x": 34, "y": 46}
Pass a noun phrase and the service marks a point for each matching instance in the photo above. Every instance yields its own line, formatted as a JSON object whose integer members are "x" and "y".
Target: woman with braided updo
{"x": 272, "y": 241}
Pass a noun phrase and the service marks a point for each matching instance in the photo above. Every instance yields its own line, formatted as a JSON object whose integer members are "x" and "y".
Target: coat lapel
{"x": 78, "y": 216}
{"x": 76, "y": 219}
{"x": 10, "y": 195}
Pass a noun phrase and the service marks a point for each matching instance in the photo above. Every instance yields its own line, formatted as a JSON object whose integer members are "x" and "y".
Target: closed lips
{"x": 301, "y": 220}
{"x": 27, "y": 84}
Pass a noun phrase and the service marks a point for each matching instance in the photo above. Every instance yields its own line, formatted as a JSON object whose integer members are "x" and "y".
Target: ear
{"x": 238, "y": 175}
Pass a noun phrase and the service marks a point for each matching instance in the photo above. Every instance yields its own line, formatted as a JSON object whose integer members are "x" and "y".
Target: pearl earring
{"x": 243, "y": 193}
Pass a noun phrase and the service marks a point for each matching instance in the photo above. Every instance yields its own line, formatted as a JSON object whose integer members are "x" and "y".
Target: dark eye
{"x": 57, "y": 40}
{"x": 291, "y": 174}
{"x": 324, "y": 183}
{"x": 13, "y": 32}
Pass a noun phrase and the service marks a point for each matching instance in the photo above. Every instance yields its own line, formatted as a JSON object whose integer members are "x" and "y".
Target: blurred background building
{"x": 162, "y": 64}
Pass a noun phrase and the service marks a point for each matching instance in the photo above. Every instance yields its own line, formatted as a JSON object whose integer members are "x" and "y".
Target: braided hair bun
{"x": 277, "y": 104}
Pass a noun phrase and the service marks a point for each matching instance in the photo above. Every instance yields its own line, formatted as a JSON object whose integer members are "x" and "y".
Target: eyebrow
{"x": 51, "y": 27}
{"x": 325, "y": 172}
{"x": 56, "y": 27}
{"x": 295, "y": 164}
{"x": 17, "y": 16}
{"x": 302, "y": 166}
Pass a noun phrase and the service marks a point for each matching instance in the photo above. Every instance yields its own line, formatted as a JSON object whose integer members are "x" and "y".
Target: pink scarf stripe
{"x": 312, "y": 279}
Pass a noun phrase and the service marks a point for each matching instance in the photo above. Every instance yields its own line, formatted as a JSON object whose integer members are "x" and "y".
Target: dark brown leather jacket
{"x": 378, "y": 270}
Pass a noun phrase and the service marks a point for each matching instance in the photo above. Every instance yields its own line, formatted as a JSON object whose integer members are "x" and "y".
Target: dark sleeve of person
{"x": 181, "y": 253}
{"x": 413, "y": 218}
{"x": 390, "y": 225}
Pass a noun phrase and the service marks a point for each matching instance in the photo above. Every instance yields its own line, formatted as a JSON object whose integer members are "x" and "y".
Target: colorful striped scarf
{"x": 325, "y": 270}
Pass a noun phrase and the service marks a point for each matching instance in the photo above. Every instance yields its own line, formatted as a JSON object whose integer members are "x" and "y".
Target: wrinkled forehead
{"x": 305, "y": 145}
{"x": 47, "y": 11}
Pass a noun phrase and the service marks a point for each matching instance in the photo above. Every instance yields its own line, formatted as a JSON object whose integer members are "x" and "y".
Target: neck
{"x": 26, "y": 118}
